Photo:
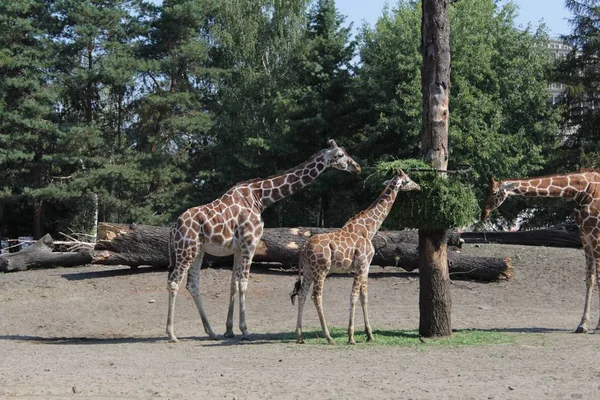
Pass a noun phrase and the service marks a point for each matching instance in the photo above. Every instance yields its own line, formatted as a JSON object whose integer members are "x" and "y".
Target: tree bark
{"x": 435, "y": 304}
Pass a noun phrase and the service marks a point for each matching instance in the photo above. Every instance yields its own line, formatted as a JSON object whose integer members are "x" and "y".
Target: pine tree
{"x": 580, "y": 72}
{"x": 255, "y": 43}
{"x": 317, "y": 106}
{"x": 30, "y": 143}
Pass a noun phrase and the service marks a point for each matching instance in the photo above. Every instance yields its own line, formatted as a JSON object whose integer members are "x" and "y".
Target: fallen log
{"x": 143, "y": 244}
{"x": 551, "y": 237}
{"x": 461, "y": 266}
{"x": 135, "y": 245}
{"x": 41, "y": 255}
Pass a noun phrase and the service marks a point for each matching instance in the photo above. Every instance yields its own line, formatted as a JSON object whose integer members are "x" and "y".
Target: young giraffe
{"x": 582, "y": 186}
{"x": 232, "y": 224}
{"x": 348, "y": 249}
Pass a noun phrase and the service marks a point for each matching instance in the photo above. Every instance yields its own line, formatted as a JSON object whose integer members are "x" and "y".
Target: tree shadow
{"x": 260, "y": 338}
{"x": 260, "y": 269}
{"x": 81, "y": 340}
{"x": 110, "y": 273}
{"x": 531, "y": 329}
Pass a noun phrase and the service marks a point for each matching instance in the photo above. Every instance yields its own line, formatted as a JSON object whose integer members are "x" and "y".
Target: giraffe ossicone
{"x": 582, "y": 186}
{"x": 348, "y": 249}
{"x": 232, "y": 224}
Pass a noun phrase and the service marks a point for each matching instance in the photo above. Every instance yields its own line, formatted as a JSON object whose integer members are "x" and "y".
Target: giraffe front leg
{"x": 353, "y": 300}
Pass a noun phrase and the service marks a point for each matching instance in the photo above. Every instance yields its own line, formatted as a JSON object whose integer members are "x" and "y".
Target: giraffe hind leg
{"x": 353, "y": 299}
{"x": 243, "y": 282}
{"x": 305, "y": 284}
{"x": 364, "y": 300}
{"x": 193, "y": 286}
{"x": 233, "y": 291}
{"x": 597, "y": 276}
{"x": 589, "y": 284}
{"x": 317, "y": 297}
{"x": 181, "y": 265}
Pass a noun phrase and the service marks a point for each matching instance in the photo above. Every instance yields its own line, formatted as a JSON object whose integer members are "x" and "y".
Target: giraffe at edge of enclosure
{"x": 582, "y": 186}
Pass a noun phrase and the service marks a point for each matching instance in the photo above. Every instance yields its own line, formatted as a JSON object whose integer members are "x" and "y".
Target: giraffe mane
{"x": 287, "y": 171}
{"x": 578, "y": 171}
{"x": 588, "y": 170}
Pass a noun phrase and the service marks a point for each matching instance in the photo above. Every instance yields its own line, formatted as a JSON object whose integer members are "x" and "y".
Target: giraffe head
{"x": 401, "y": 181}
{"x": 337, "y": 158}
{"x": 495, "y": 195}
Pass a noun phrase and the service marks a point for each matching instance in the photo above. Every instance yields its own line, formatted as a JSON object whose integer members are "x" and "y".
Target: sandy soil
{"x": 98, "y": 332}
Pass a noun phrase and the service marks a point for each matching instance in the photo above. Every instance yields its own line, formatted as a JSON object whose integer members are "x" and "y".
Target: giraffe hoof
{"x": 300, "y": 341}
{"x": 330, "y": 343}
{"x": 370, "y": 339}
{"x": 173, "y": 339}
{"x": 581, "y": 329}
{"x": 352, "y": 341}
{"x": 229, "y": 334}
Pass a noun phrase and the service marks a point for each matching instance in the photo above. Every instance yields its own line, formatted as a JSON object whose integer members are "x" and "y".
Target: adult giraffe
{"x": 232, "y": 224}
{"x": 583, "y": 186}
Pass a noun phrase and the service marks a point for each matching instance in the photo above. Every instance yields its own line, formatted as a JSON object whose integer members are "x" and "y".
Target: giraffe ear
{"x": 492, "y": 180}
{"x": 399, "y": 172}
{"x": 332, "y": 144}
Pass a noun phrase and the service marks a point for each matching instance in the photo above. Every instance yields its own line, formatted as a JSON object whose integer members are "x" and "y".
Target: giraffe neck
{"x": 567, "y": 186}
{"x": 369, "y": 220}
{"x": 273, "y": 189}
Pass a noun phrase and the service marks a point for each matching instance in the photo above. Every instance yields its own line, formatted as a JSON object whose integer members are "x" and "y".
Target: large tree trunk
{"x": 136, "y": 245}
{"x": 435, "y": 303}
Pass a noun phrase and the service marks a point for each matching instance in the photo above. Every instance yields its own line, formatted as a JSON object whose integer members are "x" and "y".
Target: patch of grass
{"x": 406, "y": 338}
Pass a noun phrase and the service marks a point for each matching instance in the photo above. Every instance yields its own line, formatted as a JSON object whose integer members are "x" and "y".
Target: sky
{"x": 551, "y": 12}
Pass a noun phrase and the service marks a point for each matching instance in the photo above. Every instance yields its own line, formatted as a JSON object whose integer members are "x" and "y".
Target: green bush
{"x": 442, "y": 203}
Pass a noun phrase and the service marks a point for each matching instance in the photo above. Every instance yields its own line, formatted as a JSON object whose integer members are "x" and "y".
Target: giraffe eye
{"x": 339, "y": 154}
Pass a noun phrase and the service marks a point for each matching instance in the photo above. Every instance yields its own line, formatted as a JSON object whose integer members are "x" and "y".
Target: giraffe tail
{"x": 297, "y": 287}
{"x": 298, "y": 283}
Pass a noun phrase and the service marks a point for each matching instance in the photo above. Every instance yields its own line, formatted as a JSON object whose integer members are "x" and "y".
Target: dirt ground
{"x": 98, "y": 332}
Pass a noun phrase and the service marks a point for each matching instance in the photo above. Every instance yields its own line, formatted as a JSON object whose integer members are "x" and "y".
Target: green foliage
{"x": 159, "y": 107}
{"x": 388, "y": 86}
{"x": 441, "y": 204}
{"x": 501, "y": 122}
